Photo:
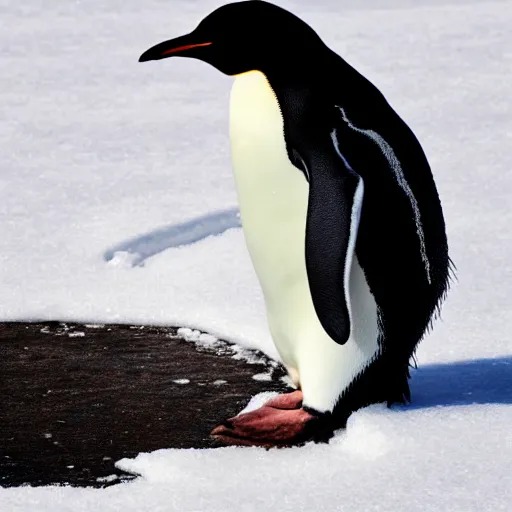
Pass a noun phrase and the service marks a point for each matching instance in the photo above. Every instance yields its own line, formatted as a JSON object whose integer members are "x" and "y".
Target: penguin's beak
{"x": 180, "y": 46}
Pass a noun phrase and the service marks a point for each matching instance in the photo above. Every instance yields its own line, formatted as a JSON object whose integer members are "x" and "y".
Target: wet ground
{"x": 74, "y": 398}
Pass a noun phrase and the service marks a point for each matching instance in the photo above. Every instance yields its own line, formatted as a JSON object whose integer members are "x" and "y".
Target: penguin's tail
{"x": 385, "y": 380}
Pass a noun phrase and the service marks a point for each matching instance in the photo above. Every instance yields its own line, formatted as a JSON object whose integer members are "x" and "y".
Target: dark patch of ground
{"x": 74, "y": 398}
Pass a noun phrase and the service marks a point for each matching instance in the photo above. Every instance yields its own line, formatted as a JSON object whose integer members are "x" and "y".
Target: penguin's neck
{"x": 256, "y": 120}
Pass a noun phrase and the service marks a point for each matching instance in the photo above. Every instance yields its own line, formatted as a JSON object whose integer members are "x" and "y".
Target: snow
{"x": 103, "y": 162}
{"x": 262, "y": 376}
{"x": 181, "y": 381}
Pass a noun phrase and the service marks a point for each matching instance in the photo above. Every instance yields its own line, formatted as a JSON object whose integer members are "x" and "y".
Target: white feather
{"x": 395, "y": 166}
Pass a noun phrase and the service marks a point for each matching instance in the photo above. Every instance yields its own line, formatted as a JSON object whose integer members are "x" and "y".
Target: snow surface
{"x": 102, "y": 157}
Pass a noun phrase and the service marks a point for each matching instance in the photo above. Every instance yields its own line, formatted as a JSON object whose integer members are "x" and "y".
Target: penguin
{"x": 341, "y": 218}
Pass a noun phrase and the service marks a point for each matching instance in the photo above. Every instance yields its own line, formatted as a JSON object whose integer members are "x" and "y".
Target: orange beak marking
{"x": 186, "y": 47}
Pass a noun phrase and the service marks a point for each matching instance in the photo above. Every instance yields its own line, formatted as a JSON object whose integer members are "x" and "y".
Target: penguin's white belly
{"x": 273, "y": 197}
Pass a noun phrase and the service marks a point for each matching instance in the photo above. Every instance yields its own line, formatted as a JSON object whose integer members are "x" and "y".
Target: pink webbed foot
{"x": 291, "y": 400}
{"x": 280, "y": 422}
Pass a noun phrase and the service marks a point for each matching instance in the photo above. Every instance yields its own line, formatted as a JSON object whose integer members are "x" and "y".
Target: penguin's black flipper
{"x": 335, "y": 200}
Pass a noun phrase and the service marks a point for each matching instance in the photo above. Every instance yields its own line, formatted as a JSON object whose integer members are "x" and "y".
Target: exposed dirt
{"x": 74, "y": 398}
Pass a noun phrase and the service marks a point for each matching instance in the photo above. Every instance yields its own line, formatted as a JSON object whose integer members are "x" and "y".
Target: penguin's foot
{"x": 291, "y": 400}
{"x": 278, "y": 423}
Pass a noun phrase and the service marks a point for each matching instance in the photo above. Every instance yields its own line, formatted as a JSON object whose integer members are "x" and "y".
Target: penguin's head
{"x": 244, "y": 36}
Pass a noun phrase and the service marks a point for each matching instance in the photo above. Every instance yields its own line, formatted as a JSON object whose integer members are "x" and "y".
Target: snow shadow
{"x": 481, "y": 381}
{"x": 142, "y": 247}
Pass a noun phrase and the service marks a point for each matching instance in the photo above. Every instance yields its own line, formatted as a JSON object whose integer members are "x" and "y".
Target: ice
{"x": 105, "y": 160}
{"x": 207, "y": 341}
